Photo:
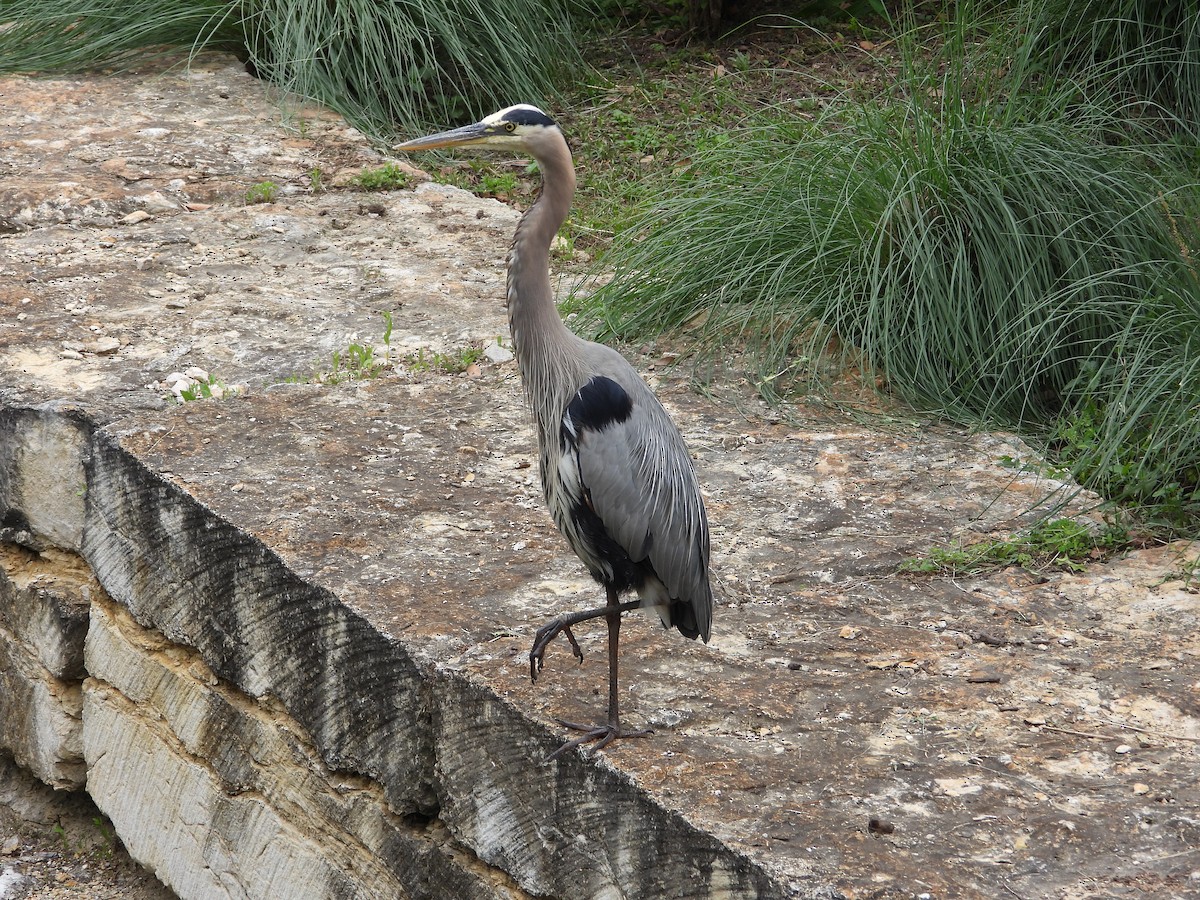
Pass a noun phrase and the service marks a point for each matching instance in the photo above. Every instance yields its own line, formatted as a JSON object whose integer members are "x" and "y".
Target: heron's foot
{"x": 603, "y": 735}
{"x": 541, "y": 641}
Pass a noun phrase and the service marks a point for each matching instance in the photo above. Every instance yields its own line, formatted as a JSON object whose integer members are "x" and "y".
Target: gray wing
{"x": 639, "y": 477}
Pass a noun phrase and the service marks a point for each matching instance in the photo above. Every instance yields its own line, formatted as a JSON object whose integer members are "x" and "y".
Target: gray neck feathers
{"x": 548, "y": 353}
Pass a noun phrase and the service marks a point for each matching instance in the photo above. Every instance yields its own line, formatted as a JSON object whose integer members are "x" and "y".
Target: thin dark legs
{"x": 610, "y": 731}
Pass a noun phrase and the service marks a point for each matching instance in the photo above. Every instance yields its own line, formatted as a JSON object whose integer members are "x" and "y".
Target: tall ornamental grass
{"x": 389, "y": 67}
{"x": 1144, "y": 53}
{"x": 993, "y": 257}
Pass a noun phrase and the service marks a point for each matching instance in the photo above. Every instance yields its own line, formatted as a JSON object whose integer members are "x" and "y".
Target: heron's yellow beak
{"x": 478, "y": 133}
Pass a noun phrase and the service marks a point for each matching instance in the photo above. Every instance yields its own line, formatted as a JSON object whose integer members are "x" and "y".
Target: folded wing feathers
{"x": 639, "y": 475}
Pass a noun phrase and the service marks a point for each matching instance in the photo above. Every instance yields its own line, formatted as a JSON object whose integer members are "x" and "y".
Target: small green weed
{"x": 263, "y": 192}
{"x": 487, "y": 179}
{"x": 355, "y": 363}
{"x": 212, "y": 389}
{"x": 316, "y": 180}
{"x": 61, "y": 834}
{"x": 452, "y": 363}
{"x": 108, "y": 838}
{"x": 504, "y": 183}
{"x": 388, "y": 177}
{"x": 1061, "y": 543}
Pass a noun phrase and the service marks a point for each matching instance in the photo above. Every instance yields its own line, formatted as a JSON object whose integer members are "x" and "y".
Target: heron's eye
{"x": 510, "y": 127}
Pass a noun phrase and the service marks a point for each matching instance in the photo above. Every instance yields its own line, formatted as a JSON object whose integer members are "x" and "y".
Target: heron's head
{"x": 519, "y": 128}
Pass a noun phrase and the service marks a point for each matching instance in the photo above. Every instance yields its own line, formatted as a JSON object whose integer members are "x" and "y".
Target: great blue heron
{"x": 617, "y": 476}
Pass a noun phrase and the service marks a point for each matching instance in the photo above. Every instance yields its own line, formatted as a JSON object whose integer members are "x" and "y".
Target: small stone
{"x": 103, "y": 346}
{"x": 238, "y": 488}
{"x": 1035, "y": 720}
{"x": 136, "y": 217}
{"x": 983, "y": 676}
{"x": 1123, "y": 748}
{"x": 880, "y": 826}
{"x": 11, "y": 845}
{"x": 156, "y": 202}
{"x": 1140, "y": 787}
{"x": 849, "y": 632}
{"x": 497, "y": 354}
{"x": 71, "y": 354}
{"x": 196, "y": 373}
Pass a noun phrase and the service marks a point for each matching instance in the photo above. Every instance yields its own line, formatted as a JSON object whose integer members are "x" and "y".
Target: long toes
{"x": 542, "y": 639}
{"x": 603, "y": 735}
{"x": 574, "y": 643}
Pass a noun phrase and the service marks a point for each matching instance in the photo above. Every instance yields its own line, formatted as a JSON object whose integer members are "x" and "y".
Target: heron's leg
{"x": 605, "y": 734}
{"x": 562, "y": 624}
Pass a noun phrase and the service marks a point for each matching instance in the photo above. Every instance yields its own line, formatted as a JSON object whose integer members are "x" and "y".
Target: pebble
{"x": 982, "y": 676}
{"x": 1140, "y": 787}
{"x": 136, "y": 217}
{"x": 497, "y": 354}
{"x": 103, "y": 345}
{"x": 880, "y": 826}
{"x": 157, "y": 202}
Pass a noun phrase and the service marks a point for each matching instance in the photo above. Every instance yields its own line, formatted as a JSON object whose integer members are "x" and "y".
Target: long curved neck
{"x": 543, "y": 344}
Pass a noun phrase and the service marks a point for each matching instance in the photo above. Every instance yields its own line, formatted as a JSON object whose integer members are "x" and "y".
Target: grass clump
{"x": 388, "y": 67}
{"x": 388, "y": 177}
{"x": 1061, "y": 543}
{"x": 357, "y": 362}
{"x": 453, "y": 363}
{"x": 262, "y": 192}
{"x": 1143, "y": 55}
{"x": 210, "y": 388}
{"x": 991, "y": 256}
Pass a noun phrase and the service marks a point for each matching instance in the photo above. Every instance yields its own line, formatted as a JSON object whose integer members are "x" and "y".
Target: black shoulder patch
{"x": 527, "y": 115}
{"x": 600, "y": 403}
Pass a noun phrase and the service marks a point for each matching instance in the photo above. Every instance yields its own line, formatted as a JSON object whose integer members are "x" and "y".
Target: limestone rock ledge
{"x": 251, "y": 735}
{"x": 224, "y": 796}
{"x": 43, "y": 619}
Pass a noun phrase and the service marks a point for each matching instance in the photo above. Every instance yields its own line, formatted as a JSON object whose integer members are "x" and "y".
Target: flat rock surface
{"x": 1024, "y": 734}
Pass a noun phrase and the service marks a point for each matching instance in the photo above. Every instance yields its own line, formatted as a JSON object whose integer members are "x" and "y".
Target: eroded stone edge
{"x": 427, "y": 739}
{"x": 224, "y": 796}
